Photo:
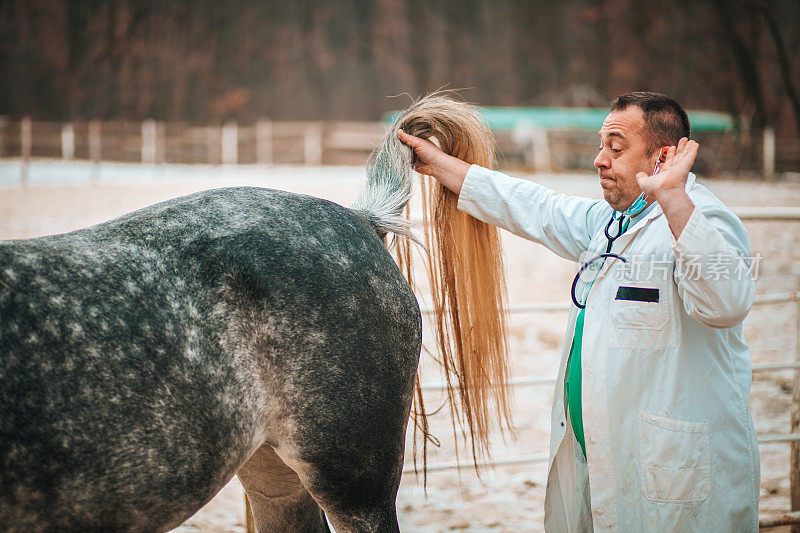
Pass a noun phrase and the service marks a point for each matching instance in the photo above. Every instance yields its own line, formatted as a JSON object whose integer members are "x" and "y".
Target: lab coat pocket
{"x": 675, "y": 459}
{"x": 640, "y": 314}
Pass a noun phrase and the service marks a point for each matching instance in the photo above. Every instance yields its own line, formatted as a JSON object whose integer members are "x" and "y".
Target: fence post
{"x": 3, "y": 123}
{"x": 794, "y": 461}
{"x": 149, "y": 141}
{"x": 264, "y": 142}
{"x": 541, "y": 150}
{"x": 230, "y": 143}
{"x": 95, "y": 141}
{"x": 95, "y": 146}
{"x": 26, "y": 138}
{"x": 213, "y": 145}
{"x": 313, "y": 144}
{"x": 536, "y": 146}
{"x": 769, "y": 153}
{"x": 161, "y": 141}
{"x": 67, "y": 141}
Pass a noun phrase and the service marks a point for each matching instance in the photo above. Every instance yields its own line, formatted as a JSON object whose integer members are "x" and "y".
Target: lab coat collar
{"x": 626, "y": 238}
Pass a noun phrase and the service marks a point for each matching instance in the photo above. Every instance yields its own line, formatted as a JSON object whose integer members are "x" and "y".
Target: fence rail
{"x": 343, "y": 142}
{"x": 543, "y": 458}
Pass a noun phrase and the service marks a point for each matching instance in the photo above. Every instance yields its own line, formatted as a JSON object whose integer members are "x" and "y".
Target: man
{"x": 651, "y": 428}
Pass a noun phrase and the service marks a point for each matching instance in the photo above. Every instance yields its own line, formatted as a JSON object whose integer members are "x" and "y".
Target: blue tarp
{"x": 509, "y": 118}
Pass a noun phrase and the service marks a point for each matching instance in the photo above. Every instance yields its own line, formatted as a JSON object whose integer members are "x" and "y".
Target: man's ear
{"x": 662, "y": 154}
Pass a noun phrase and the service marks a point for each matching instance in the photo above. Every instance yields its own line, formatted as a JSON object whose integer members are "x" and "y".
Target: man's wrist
{"x": 671, "y": 197}
{"x": 453, "y": 173}
{"x": 677, "y": 207}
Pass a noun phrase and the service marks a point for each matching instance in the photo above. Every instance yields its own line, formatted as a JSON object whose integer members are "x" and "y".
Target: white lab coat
{"x": 670, "y": 441}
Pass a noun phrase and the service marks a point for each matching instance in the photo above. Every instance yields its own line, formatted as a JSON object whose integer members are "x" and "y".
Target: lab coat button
{"x": 562, "y": 423}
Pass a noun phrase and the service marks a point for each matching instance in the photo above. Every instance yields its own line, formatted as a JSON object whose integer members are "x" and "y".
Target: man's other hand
{"x": 668, "y": 187}
{"x": 431, "y": 161}
{"x": 671, "y": 179}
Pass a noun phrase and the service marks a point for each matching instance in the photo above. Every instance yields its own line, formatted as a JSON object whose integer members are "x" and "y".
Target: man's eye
{"x": 600, "y": 148}
{"x": 616, "y": 150}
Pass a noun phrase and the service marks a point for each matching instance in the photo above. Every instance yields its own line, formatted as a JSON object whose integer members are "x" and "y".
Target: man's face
{"x": 622, "y": 154}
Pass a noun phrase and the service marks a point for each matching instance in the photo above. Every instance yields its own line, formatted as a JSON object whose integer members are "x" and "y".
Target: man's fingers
{"x": 688, "y": 151}
{"x": 670, "y": 156}
{"x": 413, "y": 142}
{"x": 691, "y": 149}
{"x": 417, "y": 143}
{"x": 682, "y": 144}
{"x": 406, "y": 138}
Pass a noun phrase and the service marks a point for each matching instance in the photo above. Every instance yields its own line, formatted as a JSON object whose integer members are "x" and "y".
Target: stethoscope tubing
{"x": 585, "y": 265}
{"x": 608, "y": 234}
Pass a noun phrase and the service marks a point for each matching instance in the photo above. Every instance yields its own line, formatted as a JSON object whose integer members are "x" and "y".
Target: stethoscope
{"x": 629, "y": 214}
{"x": 635, "y": 208}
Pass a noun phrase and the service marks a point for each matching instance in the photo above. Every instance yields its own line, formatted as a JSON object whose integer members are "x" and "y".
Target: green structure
{"x": 509, "y": 118}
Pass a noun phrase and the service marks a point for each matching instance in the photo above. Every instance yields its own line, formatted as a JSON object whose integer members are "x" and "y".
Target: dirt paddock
{"x": 60, "y": 197}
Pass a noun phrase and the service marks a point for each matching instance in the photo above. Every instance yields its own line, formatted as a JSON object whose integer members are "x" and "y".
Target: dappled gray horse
{"x": 146, "y": 360}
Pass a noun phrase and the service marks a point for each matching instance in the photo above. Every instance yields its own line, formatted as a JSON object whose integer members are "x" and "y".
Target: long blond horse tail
{"x": 464, "y": 263}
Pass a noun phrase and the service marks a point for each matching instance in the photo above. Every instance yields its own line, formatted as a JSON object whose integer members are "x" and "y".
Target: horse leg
{"x": 383, "y": 519}
{"x": 277, "y": 497}
{"x": 349, "y": 454}
{"x": 360, "y": 500}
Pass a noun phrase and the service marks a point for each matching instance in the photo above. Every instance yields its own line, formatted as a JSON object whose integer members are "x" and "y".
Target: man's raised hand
{"x": 668, "y": 187}
{"x": 674, "y": 171}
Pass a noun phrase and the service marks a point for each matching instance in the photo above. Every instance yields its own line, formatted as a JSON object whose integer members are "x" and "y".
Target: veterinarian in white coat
{"x": 663, "y": 370}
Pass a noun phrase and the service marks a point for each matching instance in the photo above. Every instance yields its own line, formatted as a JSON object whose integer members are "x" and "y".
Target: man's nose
{"x": 602, "y": 161}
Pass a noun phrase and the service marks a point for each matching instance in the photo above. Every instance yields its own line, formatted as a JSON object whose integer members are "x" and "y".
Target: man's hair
{"x": 664, "y": 118}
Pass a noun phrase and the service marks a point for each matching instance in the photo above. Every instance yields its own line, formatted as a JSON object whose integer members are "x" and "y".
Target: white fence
{"x": 767, "y": 299}
{"x": 343, "y": 142}
{"x": 764, "y": 439}
{"x": 746, "y": 214}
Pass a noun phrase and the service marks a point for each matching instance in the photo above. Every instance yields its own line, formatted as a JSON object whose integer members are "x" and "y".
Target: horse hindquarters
{"x": 339, "y": 362}
{"x": 338, "y": 440}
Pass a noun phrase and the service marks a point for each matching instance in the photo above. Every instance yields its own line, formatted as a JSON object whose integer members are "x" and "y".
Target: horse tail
{"x": 390, "y": 177}
{"x": 464, "y": 264}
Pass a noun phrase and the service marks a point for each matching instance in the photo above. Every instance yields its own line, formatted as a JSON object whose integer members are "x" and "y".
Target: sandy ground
{"x": 508, "y": 498}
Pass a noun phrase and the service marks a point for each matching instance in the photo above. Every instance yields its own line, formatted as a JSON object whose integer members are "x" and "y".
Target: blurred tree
{"x": 785, "y": 59}
{"x": 735, "y": 26}
{"x": 209, "y": 61}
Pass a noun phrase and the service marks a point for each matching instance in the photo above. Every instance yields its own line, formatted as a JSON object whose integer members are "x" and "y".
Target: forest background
{"x": 205, "y": 61}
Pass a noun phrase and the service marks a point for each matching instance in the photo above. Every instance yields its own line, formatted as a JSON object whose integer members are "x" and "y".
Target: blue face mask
{"x": 636, "y": 207}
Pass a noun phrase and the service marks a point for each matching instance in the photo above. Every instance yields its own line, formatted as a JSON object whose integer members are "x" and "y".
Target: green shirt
{"x": 572, "y": 381}
{"x": 572, "y": 385}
